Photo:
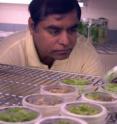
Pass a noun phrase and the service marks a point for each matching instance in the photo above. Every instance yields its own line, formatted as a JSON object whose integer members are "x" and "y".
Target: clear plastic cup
{"x": 83, "y": 85}
{"x": 67, "y": 92}
{"x": 103, "y": 98}
{"x": 18, "y": 115}
{"x": 61, "y": 120}
{"x": 48, "y": 105}
{"x": 72, "y": 109}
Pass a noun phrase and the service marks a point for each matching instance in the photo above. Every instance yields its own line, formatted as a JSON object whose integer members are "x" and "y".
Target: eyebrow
{"x": 60, "y": 28}
{"x": 73, "y": 26}
{"x": 53, "y": 27}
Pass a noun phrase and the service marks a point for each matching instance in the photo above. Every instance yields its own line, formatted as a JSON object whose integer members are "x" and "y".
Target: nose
{"x": 64, "y": 39}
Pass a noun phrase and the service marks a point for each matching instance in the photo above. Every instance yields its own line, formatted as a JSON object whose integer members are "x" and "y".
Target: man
{"x": 53, "y": 41}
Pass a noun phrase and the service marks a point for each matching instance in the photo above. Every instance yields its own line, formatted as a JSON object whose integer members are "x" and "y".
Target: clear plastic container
{"x": 48, "y": 105}
{"x": 83, "y": 85}
{"x": 92, "y": 118}
{"x": 67, "y": 92}
{"x": 111, "y": 76}
{"x": 109, "y": 101}
{"x": 110, "y": 85}
{"x": 18, "y": 115}
{"x": 109, "y": 90}
{"x": 61, "y": 120}
{"x": 98, "y": 31}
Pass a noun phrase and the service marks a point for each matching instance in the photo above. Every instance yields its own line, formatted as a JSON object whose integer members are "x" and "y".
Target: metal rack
{"x": 17, "y": 82}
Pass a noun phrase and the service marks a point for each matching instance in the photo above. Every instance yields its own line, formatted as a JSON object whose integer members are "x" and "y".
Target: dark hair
{"x": 42, "y": 8}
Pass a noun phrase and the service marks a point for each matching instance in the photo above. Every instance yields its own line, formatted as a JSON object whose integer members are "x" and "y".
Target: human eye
{"x": 54, "y": 31}
{"x": 73, "y": 29}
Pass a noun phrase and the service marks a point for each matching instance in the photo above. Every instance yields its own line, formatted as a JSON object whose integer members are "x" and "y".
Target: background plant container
{"x": 95, "y": 29}
{"x": 99, "y": 31}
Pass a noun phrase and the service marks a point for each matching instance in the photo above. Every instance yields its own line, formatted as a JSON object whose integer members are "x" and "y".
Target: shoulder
{"x": 13, "y": 40}
{"x": 12, "y": 49}
{"x": 84, "y": 44}
{"x": 84, "y": 50}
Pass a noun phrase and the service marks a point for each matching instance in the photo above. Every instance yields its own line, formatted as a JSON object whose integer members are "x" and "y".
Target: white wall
{"x": 13, "y": 13}
{"x": 18, "y": 14}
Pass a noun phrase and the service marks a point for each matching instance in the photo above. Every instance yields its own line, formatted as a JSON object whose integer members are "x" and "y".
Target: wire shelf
{"x": 17, "y": 82}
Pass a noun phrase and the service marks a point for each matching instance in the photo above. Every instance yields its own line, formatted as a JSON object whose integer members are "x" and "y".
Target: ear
{"x": 31, "y": 25}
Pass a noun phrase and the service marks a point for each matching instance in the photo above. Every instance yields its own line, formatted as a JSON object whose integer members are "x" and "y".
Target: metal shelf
{"x": 17, "y": 82}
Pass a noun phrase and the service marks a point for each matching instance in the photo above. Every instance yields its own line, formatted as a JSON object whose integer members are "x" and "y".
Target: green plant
{"x": 17, "y": 115}
{"x": 76, "y": 81}
{"x": 83, "y": 109}
{"x": 111, "y": 87}
{"x": 100, "y": 96}
{"x": 97, "y": 31}
{"x": 83, "y": 29}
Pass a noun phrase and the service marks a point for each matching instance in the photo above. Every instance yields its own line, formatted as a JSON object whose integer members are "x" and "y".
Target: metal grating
{"x": 17, "y": 82}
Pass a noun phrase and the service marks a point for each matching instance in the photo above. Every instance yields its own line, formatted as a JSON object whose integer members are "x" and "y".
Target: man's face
{"x": 56, "y": 35}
